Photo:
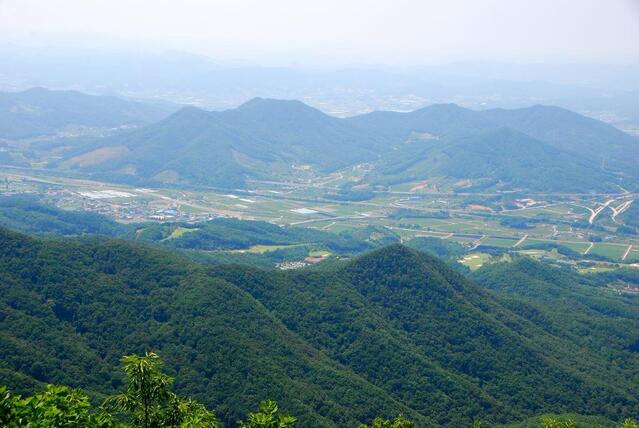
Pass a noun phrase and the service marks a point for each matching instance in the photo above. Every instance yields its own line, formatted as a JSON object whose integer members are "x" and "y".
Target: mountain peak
{"x": 395, "y": 258}
{"x": 272, "y": 106}
{"x": 190, "y": 113}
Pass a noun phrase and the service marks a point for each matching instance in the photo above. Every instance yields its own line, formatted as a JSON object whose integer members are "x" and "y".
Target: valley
{"x": 589, "y": 225}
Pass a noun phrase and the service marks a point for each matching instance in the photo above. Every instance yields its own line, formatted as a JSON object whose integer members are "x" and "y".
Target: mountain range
{"x": 393, "y": 331}
{"x": 535, "y": 148}
{"x": 39, "y": 112}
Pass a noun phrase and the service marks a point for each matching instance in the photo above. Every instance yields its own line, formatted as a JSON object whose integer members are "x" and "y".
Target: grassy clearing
{"x": 501, "y": 243}
{"x": 576, "y": 246}
{"x": 261, "y": 249}
{"x": 475, "y": 260}
{"x": 179, "y": 231}
{"x": 633, "y": 256}
{"x": 596, "y": 268}
{"x": 319, "y": 253}
{"x": 612, "y": 251}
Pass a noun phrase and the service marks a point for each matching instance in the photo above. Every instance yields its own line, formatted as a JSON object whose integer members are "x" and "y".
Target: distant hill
{"x": 501, "y": 158}
{"x": 260, "y": 139}
{"x": 539, "y": 148}
{"x": 572, "y": 132}
{"x": 39, "y": 112}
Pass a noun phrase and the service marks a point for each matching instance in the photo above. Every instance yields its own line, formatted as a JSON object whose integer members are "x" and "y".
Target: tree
{"x": 268, "y": 417}
{"x": 56, "y": 406}
{"x": 399, "y": 422}
{"x": 548, "y": 422}
{"x": 149, "y": 402}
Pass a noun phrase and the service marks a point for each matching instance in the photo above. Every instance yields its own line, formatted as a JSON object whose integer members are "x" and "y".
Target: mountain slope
{"x": 392, "y": 331}
{"x": 573, "y": 133}
{"x": 501, "y": 158}
{"x": 71, "y": 308}
{"x": 411, "y": 325}
{"x": 38, "y": 111}
{"x": 284, "y": 140}
{"x": 260, "y": 139}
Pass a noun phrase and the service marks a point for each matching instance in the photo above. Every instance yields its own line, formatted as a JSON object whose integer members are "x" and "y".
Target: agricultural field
{"x": 498, "y": 221}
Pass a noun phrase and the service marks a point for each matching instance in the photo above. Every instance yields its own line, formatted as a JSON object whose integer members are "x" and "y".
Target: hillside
{"x": 394, "y": 331}
{"x": 394, "y": 308}
{"x": 574, "y": 133}
{"x": 38, "y": 112}
{"x": 285, "y": 140}
{"x": 495, "y": 159}
{"x": 72, "y": 308}
{"x": 261, "y": 139}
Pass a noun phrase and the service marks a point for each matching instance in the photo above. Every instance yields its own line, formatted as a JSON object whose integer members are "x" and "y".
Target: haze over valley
{"x": 337, "y": 214}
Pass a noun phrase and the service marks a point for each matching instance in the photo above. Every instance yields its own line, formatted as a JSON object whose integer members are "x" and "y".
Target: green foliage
{"x": 399, "y": 422}
{"x": 234, "y": 234}
{"x": 268, "y": 416}
{"x": 149, "y": 402}
{"x": 401, "y": 213}
{"x": 548, "y": 422}
{"x": 629, "y": 423}
{"x": 56, "y": 406}
{"x": 71, "y": 304}
{"x": 394, "y": 331}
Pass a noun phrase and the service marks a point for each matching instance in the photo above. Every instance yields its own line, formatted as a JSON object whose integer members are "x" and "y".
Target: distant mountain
{"x": 538, "y": 148}
{"x": 260, "y": 139}
{"x": 572, "y": 132}
{"x": 38, "y": 112}
{"x": 391, "y": 331}
{"x": 501, "y": 158}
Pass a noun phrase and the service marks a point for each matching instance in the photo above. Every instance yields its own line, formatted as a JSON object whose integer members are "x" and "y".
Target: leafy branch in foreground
{"x": 399, "y": 422}
{"x": 149, "y": 402}
{"x": 268, "y": 416}
{"x": 56, "y": 406}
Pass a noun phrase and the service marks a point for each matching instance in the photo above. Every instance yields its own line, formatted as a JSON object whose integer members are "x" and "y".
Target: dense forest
{"x": 148, "y": 401}
{"x": 395, "y": 331}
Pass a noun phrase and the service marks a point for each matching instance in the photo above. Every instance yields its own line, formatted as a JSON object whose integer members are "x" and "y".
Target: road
{"x": 477, "y": 243}
{"x": 521, "y": 241}
{"x": 621, "y": 208}
{"x": 626, "y": 253}
{"x": 589, "y": 248}
{"x": 596, "y": 212}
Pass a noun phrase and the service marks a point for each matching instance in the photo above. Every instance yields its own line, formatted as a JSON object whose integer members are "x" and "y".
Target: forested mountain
{"x": 394, "y": 331}
{"x": 39, "y": 112}
{"x": 501, "y": 158}
{"x": 260, "y": 139}
{"x": 274, "y": 139}
{"x": 574, "y": 133}
{"x": 72, "y": 308}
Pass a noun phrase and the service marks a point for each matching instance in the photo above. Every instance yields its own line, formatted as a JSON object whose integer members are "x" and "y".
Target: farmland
{"x": 500, "y": 222}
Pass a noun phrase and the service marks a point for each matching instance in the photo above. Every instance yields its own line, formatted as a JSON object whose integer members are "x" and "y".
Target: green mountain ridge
{"x": 273, "y": 139}
{"x": 393, "y": 331}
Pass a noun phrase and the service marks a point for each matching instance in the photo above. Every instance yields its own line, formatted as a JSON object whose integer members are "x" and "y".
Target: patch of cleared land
{"x": 475, "y": 260}
{"x": 179, "y": 231}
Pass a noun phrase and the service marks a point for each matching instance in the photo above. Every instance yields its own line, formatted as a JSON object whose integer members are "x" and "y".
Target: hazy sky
{"x": 338, "y": 32}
